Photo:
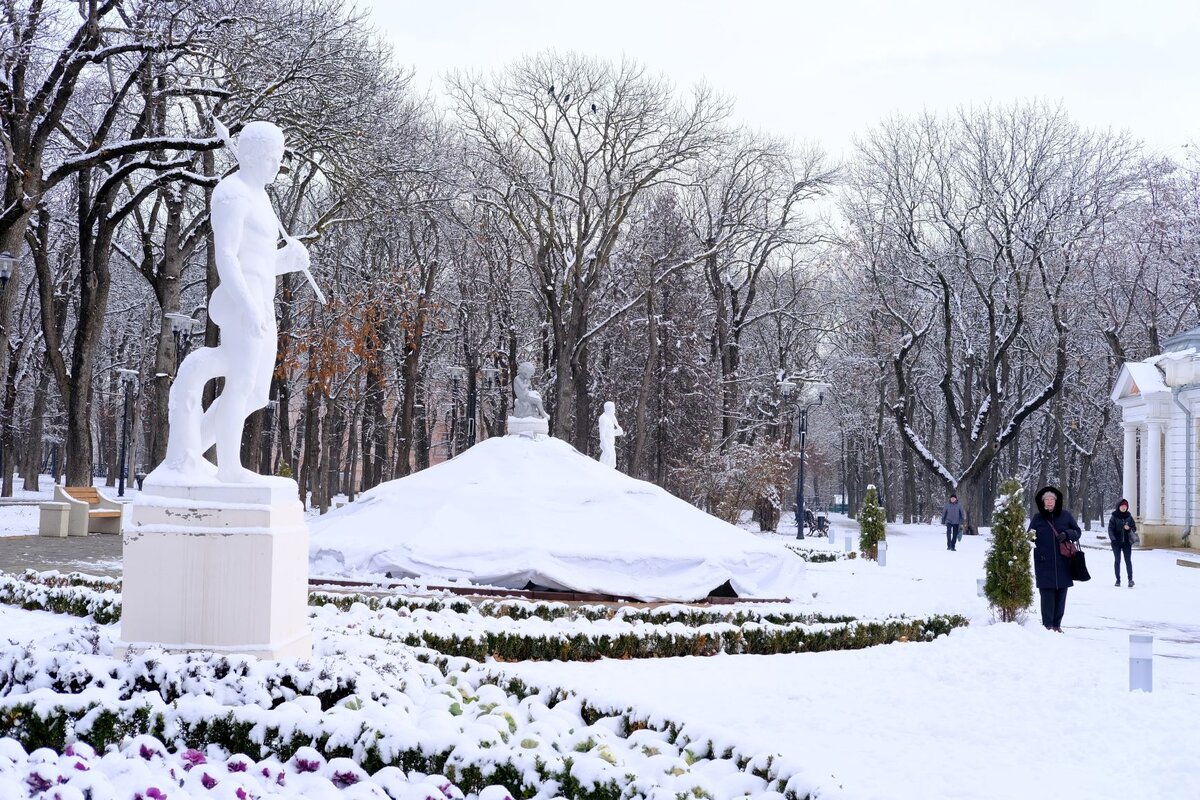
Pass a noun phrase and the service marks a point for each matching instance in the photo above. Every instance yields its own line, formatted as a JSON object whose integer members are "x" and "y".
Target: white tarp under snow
{"x": 514, "y": 510}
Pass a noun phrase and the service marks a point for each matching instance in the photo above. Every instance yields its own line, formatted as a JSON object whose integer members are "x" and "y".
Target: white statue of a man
{"x": 610, "y": 429}
{"x": 528, "y": 403}
{"x": 245, "y": 232}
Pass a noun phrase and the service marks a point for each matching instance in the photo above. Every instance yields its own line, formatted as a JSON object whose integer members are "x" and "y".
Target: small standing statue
{"x": 529, "y": 415}
{"x": 610, "y": 429}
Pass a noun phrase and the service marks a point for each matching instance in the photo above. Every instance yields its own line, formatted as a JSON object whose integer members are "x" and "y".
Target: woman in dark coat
{"x": 1122, "y": 535}
{"x": 1052, "y": 524}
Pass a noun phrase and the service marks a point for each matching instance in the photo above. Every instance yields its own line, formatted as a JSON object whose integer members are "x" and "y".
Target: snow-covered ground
{"x": 991, "y": 711}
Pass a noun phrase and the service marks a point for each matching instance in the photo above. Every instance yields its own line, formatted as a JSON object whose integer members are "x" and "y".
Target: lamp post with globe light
{"x": 787, "y": 388}
{"x": 182, "y": 327}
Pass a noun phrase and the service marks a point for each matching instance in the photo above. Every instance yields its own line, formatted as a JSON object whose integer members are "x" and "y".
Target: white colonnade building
{"x": 1160, "y": 413}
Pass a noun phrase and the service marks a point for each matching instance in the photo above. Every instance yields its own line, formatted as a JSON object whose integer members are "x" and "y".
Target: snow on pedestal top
{"x": 513, "y": 510}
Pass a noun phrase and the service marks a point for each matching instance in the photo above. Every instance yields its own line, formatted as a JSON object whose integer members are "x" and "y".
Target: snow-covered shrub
{"x": 1009, "y": 585}
{"x": 724, "y": 482}
{"x": 872, "y": 525}
{"x": 74, "y": 594}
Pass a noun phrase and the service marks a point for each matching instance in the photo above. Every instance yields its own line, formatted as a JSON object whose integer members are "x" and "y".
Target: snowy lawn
{"x": 991, "y": 711}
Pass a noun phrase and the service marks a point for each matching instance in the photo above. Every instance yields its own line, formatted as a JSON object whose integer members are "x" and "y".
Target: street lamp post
{"x": 269, "y": 438}
{"x": 456, "y": 374}
{"x": 128, "y": 380}
{"x": 181, "y": 327}
{"x": 787, "y": 388}
{"x": 7, "y": 264}
{"x": 472, "y": 401}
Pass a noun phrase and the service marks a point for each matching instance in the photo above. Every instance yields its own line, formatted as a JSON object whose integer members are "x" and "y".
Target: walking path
{"x": 98, "y": 554}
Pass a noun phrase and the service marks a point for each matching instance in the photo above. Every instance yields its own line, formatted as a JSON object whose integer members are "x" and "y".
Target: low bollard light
{"x": 882, "y": 553}
{"x": 849, "y": 543}
{"x": 1141, "y": 662}
{"x": 979, "y": 584}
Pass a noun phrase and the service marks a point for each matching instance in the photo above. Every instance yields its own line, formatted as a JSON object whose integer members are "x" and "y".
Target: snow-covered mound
{"x": 514, "y": 510}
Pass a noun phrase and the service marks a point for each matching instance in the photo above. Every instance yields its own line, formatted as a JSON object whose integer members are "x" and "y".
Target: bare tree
{"x": 571, "y": 143}
{"x": 970, "y": 230}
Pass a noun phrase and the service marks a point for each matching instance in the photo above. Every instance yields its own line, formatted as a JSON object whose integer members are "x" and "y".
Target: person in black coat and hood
{"x": 1122, "y": 535}
{"x": 1052, "y": 524}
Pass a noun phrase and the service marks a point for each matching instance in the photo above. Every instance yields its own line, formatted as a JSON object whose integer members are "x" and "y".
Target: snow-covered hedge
{"x": 73, "y": 593}
{"x": 142, "y": 768}
{"x": 370, "y": 702}
{"x": 518, "y": 630}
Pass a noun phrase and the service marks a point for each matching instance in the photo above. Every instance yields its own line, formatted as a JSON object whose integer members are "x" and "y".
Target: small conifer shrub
{"x": 1009, "y": 585}
{"x": 872, "y": 525}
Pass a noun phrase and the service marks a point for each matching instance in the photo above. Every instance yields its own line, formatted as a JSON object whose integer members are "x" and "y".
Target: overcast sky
{"x": 823, "y": 71}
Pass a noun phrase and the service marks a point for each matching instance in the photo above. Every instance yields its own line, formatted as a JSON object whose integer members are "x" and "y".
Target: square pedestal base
{"x": 204, "y": 574}
{"x": 528, "y": 426}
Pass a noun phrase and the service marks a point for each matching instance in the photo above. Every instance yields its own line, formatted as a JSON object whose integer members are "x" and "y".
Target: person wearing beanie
{"x": 953, "y": 517}
{"x": 1122, "y": 535}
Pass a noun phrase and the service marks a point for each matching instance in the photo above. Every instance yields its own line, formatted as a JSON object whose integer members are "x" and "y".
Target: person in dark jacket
{"x": 1052, "y": 524}
{"x": 953, "y": 517}
{"x": 1122, "y": 535}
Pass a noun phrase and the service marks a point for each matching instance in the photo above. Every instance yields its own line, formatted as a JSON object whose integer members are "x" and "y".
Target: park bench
{"x": 88, "y": 510}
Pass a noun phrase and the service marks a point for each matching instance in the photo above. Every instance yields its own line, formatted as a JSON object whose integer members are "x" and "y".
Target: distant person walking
{"x": 1051, "y": 525}
{"x": 953, "y": 517}
{"x": 1122, "y": 535}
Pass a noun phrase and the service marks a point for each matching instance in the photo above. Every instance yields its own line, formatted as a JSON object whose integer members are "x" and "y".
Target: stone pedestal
{"x": 528, "y": 426}
{"x": 218, "y": 567}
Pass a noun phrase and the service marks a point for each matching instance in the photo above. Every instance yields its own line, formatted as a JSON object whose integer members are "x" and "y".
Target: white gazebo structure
{"x": 1160, "y": 404}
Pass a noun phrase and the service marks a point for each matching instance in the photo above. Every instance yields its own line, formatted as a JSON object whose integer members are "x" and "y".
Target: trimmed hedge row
{"x": 551, "y": 611}
{"x": 60, "y": 595}
{"x": 750, "y": 639}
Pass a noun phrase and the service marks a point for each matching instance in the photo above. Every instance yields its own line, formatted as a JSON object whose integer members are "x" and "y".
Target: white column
{"x": 1129, "y": 468}
{"x": 1153, "y": 466}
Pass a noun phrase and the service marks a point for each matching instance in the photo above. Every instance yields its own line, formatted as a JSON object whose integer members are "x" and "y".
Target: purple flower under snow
{"x": 343, "y": 779}
{"x": 207, "y": 781}
{"x": 307, "y": 765}
{"x": 193, "y": 758}
{"x": 38, "y": 783}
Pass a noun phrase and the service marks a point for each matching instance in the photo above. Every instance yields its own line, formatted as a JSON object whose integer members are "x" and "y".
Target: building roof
{"x": 1182, "y": 341}
{"x": 1138, "y": 378}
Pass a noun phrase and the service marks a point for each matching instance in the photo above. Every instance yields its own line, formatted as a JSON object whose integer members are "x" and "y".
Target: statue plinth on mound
{"x": 216, "y": 557}
{"x": 529, "y": 426}
{"x": 217, "y": 566}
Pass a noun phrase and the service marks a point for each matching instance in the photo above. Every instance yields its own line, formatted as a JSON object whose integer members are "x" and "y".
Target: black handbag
{"x": 1078, "y": 565}
{"x": 1076, "y": 562}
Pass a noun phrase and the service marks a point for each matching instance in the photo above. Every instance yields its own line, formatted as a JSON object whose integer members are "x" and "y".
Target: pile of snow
{"x": 512, "y": 511}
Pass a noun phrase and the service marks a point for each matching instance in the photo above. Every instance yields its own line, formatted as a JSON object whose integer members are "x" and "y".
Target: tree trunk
{"x": 8, "y": 451}
{"x": 94, "y": 279}
{"x": 37, "y": 421}
{"x": 408, "y": 400}
{"x": 641, "y": 411}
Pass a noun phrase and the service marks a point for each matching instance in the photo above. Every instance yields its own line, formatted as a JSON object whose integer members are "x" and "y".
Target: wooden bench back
{"x": 88, "y": 494}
